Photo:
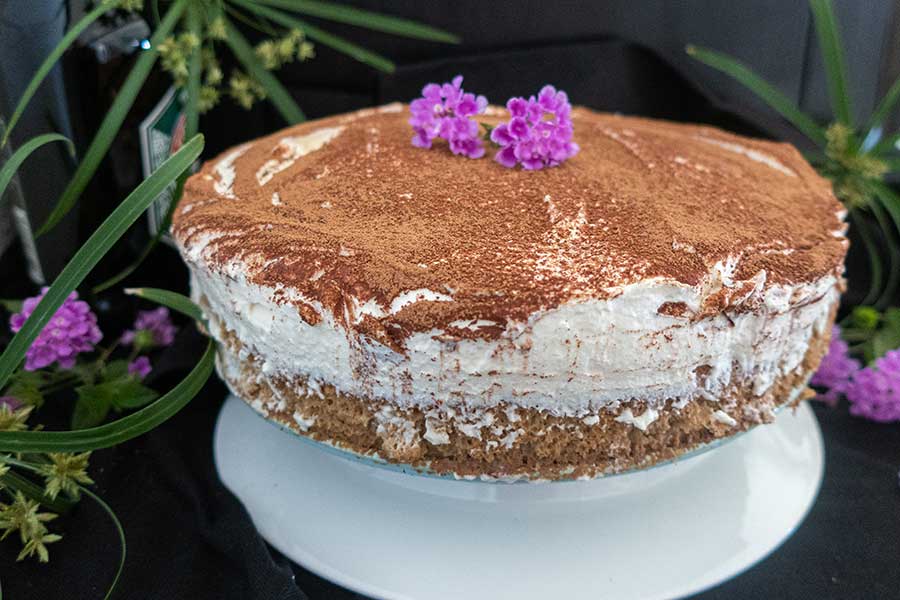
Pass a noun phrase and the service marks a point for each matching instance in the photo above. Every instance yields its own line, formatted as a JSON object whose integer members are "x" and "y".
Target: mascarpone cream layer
{"x": 572, "y": 360}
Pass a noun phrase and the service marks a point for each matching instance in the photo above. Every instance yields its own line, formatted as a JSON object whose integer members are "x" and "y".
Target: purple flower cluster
{"x": 446, "y": 111}
{"x": 70, "y": 331}
{"x": 152, "y": 328}
{"x": 836, "y": 369}
{"x": 875, "y": 391}
{"x": 539, "y": 132}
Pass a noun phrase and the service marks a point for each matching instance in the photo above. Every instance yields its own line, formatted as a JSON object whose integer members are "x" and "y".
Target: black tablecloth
{"x": 188, "y": 537}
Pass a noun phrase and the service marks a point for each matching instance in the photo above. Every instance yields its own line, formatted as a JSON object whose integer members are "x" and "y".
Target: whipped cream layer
{"x": 572, "y": 360}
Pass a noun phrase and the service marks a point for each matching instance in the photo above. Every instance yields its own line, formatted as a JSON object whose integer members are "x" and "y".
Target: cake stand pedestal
{"x": 660, "y": 533}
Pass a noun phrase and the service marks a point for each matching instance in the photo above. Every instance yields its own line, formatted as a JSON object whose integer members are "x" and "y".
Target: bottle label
{"x": 161, "y": 133}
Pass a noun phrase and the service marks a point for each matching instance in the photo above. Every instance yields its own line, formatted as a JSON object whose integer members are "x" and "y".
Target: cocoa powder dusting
{"x": 367, "y": 216}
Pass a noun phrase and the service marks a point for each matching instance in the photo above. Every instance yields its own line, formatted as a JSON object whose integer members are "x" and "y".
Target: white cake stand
{"x": 660, "y": 533}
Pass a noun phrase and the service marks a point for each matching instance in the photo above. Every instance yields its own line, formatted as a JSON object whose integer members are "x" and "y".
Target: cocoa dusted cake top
{"x": 345, "y": 212}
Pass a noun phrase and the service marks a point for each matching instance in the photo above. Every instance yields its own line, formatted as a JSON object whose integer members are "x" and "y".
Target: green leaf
{"x": 11, "y": 305}
{"x": 373, "y": 59}
{"x": 121, "y": 533}
{"x": 875, "y": 268}
{"x": 890, "y": 201}
{"x": 366, "y": 19}
{"x": 85, "y": 372}
{"x": 113, "y": 119}
{"x": 892, "y": 162}
{"x": 890, "y": 143}
{"x": 884, "y": 108}
{"x": 26, "y": 386}
{"x": 888, "y": 232}
{"x": 31, "y": 490}
{"x": 833, "y": 56}
{"x": 276, "y": 92}
{"x": 121, "y": 430}
{"x": 173, "y": 300}
{"x": 120, "y": 394}
{"x": 94, "y": 249}
{"x": 15, "y": 161}
{"x": 90, "y": 409}
{"x": 115, "y": 369}
{"x": 191, "y": 114}
{"x": 892, "y": 319}
{"x": 766, "y": 91}
{"x": 131, "y": 393}
{"x": 885, "y": 340}
{"x": 51, "y": 60}
{"x": 195, "y": 70}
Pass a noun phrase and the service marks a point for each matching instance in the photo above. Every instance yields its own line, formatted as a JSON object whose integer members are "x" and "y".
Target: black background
{"x": 189, "y": 538}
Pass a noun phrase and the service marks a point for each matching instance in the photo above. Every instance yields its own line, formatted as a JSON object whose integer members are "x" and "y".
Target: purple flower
{"x": 151, "y": 328}
{"x": 70, "y": 331}
{"x": 875, "y": 391}
{"x": 446, "y": 111}
{"x": 140, "y": 367}
{"x": 538, "y": 133}
{"x": 836, "y": 369}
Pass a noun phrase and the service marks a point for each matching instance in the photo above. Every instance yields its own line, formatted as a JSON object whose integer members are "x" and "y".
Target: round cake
{"x": 669, "y": 285}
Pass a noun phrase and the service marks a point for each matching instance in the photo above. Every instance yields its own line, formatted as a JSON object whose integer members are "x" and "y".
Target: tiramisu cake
{"x": 668, "y": 285}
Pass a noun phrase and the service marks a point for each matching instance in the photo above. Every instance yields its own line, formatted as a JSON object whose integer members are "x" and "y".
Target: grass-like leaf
{"x": 833, "y": 56}
{"x": 15, "y": 161}
{"x": 886, "y": 225}
{"x": 893, "y": 163}
{"x": 94, "y": 249}
{"x": 884, "y": 108}
{"x": 887, "y": 144}
{"x": 119, "y": 530}
{"x": 277, "y": 94}
{"x": 366, "y": 19}
{"x": 191, "y": 119}
{"x": 173, "y": 300}
{"x": 61, "y": 504}
{"x": 373, "y": 59}
{"x": 113, "y": 121}
{"x": 46, "y": 66}
{"x": 195, "y": 70}
{"x": 768, "y": 93}
{"x": 875, "y": 268}
{"x": 121, "y": 430}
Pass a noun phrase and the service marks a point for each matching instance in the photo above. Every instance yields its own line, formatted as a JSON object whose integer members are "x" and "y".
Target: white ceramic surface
{"x": 662, "y": 533}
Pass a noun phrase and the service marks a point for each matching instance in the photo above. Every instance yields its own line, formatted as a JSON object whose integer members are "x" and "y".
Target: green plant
{"x": 856, "y": 157}
{"x": 187, "y": 41}
{"x": 60, "y": 457}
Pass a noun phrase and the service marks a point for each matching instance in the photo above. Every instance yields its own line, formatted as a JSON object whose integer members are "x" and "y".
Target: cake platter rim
{"x": 765, "y": 541}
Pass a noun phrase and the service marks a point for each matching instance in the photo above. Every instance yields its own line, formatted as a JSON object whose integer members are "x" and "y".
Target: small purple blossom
{"x": 140, "y": 367}
{"x": 151, "y": 328}
{"x": 538, "y": 133}
{"x": 446, "y": 111}
{"x": 70, "y": 331}
{"x": 836, "y": 370}
{"x": 875, "y": 391}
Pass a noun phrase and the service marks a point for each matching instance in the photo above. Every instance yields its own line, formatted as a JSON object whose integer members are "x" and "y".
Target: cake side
{"x": 505, "y": 442}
